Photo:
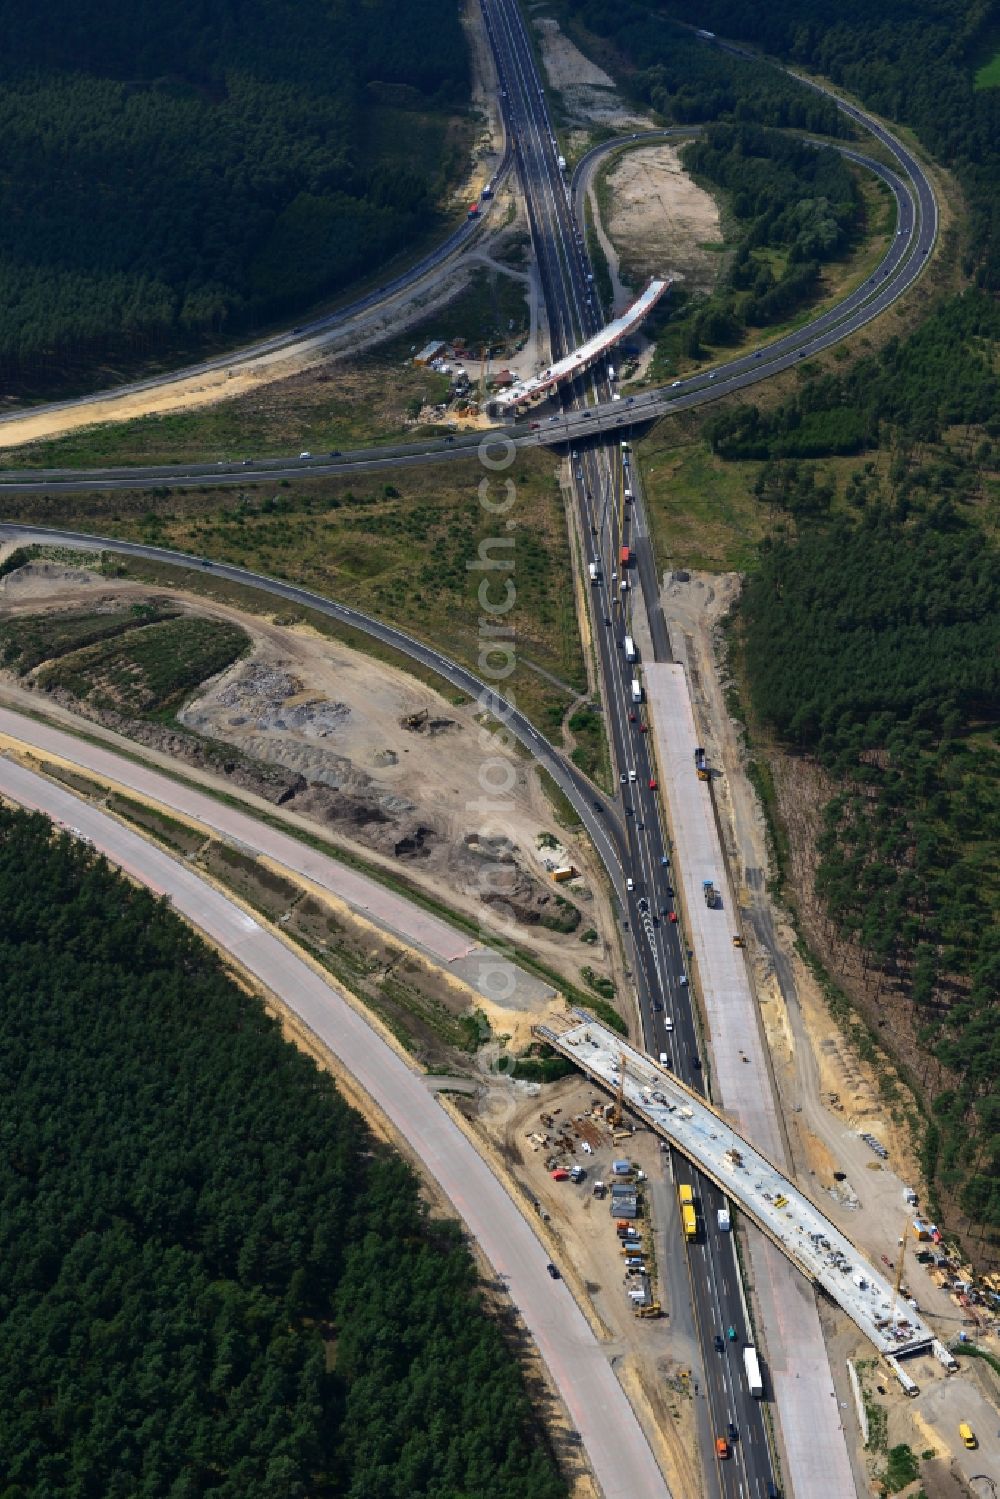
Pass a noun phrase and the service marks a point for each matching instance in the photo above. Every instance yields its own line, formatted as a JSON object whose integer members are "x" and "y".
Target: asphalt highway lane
{"x": 598, "y": 1408}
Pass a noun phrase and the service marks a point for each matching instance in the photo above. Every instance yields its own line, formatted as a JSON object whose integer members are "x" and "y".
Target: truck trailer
{"x": 755, "y": 1381}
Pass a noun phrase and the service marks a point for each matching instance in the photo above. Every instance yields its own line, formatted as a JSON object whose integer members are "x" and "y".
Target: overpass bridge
{"x": 582, "y": 357}
{"x": 779, "y": 1209}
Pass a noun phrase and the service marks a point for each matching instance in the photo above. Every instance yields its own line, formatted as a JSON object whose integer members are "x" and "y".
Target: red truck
{"x": 626, "y": 556}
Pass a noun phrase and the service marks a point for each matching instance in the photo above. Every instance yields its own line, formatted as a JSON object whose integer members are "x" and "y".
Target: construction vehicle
{"x": 654, "y": 1309}
{"x": 701, "y": 764}
{"x": 968, "y": 1436}
{"x": 737, "y": 940}
{"x": 564, "y": 872}
{"x": 709, "y": 891}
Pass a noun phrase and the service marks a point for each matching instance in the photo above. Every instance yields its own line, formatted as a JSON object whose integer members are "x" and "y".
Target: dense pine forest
{"x": 875, "y": 645}
{"x": 170, "y": 172}
{"x": 212, "y": 1281}
{"x": 869, "y": 629}
{"x": 915, "y": 61}
{"x": 792, "y": 209}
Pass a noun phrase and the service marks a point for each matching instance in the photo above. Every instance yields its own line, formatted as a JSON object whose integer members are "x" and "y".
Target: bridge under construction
{"x": 581, "y": 358}
{"x": 779, "y": 1209}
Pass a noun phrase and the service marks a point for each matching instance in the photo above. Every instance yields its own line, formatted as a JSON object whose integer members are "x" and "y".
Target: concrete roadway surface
{"x": 597, "y": 472}
{"x": 482, "y": 968}
{"x": 598, "y": 815}
{"x": 309, "y": 336}
{"x": 915, "y": 238}
{"x": 598, "y": 476}
{"x": 598, "y": 1408}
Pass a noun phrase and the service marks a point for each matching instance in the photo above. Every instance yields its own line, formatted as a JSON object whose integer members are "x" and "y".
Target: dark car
{"x": 335, "y": 453}
{"x": 552, "y": 1270}
{"x": 720, "y": 1346}
{"x": 733, "y": 1433}
{"x": 696, "y": 1063}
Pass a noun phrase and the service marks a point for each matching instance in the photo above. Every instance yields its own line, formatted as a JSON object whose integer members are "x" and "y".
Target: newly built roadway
{"x": 631, "y": 840}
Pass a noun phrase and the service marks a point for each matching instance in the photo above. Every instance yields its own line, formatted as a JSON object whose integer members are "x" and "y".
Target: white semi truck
{"x": 751, "y": 1363}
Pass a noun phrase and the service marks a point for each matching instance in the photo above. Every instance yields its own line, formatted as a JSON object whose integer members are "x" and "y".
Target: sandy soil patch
{"x": 529, "y": 1134}
{"x": 588, "y": 93}
{"x": 660, "y": 220}
{"x": 380, "y": 763}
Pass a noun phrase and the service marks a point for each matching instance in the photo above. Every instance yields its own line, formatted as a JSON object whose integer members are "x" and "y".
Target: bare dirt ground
{"x": 661, "y": 221}
{"x": 588, "y": 93}
{"x": 529, "y": 1134}
{"x": 377, "y": 761}
{"x": 828, "y": 1093}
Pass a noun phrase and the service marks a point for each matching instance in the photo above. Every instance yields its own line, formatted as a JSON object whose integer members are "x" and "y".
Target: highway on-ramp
{"x": 598, "y": 1409}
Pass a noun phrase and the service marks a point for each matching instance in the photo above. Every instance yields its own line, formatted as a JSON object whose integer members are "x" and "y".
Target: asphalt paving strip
{"x": 597, "y": 1406}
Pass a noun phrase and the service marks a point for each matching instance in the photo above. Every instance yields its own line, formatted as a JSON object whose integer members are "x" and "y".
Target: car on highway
{"x": 305, "y": 455}
{"x": 631, "y": 775}
{"x": 624, "y": 778}
{"x": 672, "y": 917}
{"x": 552, "y": 1270}
{"x": 630, "y": 883}
{"x": 652, "y": 783}
{"x": 721, "y": 1448}
{"x": 720, "y": 1346}
{"x": 733, "y": 1433}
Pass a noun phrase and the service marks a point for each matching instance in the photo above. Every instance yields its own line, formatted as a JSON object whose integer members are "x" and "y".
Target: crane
{"x": 899, "y": 1272}
{"x": 617, "y": 1115}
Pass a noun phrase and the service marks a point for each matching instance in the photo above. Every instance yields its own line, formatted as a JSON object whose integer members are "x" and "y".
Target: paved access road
{"x": 598, "y": 1409}
{"x": 595, "y": 812}
{"x": 917, "y": 228}
{"x": 480, "y": 967}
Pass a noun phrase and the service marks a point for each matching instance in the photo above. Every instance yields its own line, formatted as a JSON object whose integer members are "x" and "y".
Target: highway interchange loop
{"x": 660, "y": 965}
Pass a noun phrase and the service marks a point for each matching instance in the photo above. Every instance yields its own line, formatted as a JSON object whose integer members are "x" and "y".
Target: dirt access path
{"x": 244, "y": 375}
{"x": 381, "y": 764}
{"x": 828, "y": 1094}
{"x": 523, "y": 1133}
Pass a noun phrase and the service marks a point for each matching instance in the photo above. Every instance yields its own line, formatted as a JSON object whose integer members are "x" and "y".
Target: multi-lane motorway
{"x": 916, "y": 233}
{"x": 611, "y": 517}
{"x": 629, "y": 837}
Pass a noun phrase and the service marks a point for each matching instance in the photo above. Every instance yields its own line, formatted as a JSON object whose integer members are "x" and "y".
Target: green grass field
{"x": 150, "y": 669}
{"x": 988, "y": 76}
{"x": 399, "y": 550}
